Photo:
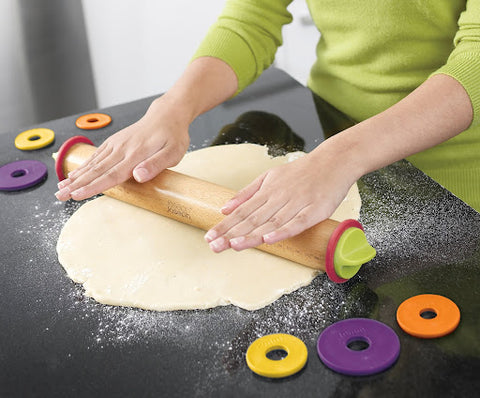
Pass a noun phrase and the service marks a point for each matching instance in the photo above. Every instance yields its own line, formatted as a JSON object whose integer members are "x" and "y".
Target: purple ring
{"x": 21, "y": 174}
{"x": 381, "y": 347}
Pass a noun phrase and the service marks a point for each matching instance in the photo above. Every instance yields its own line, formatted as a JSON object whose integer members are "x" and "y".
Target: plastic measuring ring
{"x": 62, "y": 152}
{"x": 32, "y": 139}
{"x": 22, "y": 174}
{"x": 93, "y": 121}
{"x": 378, "y": 347}
{"x": 295, "y": 360}
{"x": 331, "y": 246}
{"x": 446, "y": 316}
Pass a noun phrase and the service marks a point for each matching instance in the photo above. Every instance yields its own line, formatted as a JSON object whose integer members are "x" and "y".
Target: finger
{"x": 113, "y": 176}
{"x": 63, "y": 194}
{"x": 243, "y": 195}
{"x": 219, "y": 245}
{"x": 255, "y": 220}
{"x": 232, "y": 205}
{"x": 303, "y": 220}
{"x": 235, "y": 237}
{"x": 152, "y": 166}
{"x": 64, "y": 183}
{"x": 244, "y": 242}
{"x": 240, "y": 214}
{"x": 108, "y": 167}
{"x": 98, "y": 156}
{"x": 255, "y": 237}
{"x": 92, "y": 172}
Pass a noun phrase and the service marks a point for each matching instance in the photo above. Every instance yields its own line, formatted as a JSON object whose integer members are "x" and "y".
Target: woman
{"x": 407, "y": 72}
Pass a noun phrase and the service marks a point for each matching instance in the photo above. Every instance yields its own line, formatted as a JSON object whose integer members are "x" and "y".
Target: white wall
{"x": 16, "y": 106}
{"x": 297, "y": 54}
{"x": 140, "y": 47}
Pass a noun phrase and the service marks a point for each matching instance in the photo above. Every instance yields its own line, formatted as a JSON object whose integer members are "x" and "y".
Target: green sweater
{"x": 370, "y": 55}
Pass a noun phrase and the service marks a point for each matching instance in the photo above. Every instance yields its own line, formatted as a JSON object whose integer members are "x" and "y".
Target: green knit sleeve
{"x": 463, "y": 64}
{"x": 246, "y": 36}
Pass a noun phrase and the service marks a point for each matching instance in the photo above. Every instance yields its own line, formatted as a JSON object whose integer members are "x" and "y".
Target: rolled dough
{"x": 127, "y": 256}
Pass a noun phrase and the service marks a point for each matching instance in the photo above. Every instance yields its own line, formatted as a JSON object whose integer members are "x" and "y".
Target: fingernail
{"x": 210, "y": 235}
{"x": 72, "y": 174}
{"x": 77, "y": 193}
{"x": 140, "y": 174}
{"x": 227, "y": 206}
{"x": 268, "y": 237}
{"x": 237, "y": 241}
{"x": 62, "y": 194}
{"x": 63, "y": 184}
{"x": 217, "y": 244}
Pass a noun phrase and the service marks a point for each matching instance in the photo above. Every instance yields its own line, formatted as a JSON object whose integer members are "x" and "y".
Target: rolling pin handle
{"x": 347, "y": 251}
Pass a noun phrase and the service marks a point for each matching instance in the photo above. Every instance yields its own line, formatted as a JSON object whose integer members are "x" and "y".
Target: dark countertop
{"x": 56, "y": 343}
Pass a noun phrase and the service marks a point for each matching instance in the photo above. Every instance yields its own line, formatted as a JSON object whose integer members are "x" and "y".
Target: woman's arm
{"x": 291, "y": 198}
{"x": 245, "y": 37}
{"x": 160, "y": 138}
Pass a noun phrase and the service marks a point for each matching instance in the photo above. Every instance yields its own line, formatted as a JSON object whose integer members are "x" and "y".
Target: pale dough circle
{"x": 128, "y": 256}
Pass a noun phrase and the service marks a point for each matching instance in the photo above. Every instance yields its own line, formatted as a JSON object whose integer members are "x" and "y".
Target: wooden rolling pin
{"x": 198, "y": 203}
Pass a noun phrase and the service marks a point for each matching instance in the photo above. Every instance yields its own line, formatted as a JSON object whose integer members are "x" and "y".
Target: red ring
{"x": 331, "y": 246}
{"x": 62, "y": 152}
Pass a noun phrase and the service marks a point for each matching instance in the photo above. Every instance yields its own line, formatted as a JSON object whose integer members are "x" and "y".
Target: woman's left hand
{"x": 281, "y": 203}
{"x": 287, "y": 200}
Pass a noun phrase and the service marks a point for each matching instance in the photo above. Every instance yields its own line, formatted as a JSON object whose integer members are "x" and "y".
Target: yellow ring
{"x": 295, "y": 360}
{"x": 34, "y": 139}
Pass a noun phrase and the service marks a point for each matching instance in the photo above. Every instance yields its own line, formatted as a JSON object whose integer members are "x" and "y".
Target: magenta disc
{"x": 22, "y": 174}
{"x": 358, "y": 347}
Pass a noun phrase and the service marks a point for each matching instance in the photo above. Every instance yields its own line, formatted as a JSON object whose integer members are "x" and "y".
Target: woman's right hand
{"x": 142, "y": 150}
{"x": 160, "y": 138}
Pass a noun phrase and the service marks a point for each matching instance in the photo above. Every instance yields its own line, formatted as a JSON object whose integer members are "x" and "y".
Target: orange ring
{"x": 93, "y": 121}
{"x": 446, "y": 320}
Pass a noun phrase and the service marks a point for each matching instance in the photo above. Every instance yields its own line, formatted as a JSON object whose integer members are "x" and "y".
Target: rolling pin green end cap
{"x": 351, "y": 252}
